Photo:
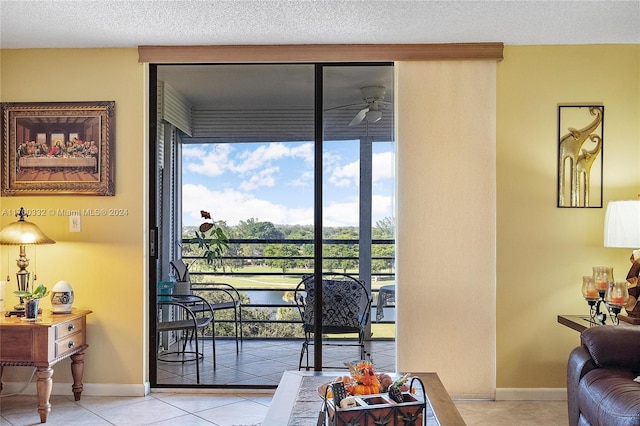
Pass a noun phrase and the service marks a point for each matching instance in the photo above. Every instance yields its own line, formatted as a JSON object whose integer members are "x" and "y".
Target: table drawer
{"x": 69, "y": 344}
{"x": 69, "y": 327}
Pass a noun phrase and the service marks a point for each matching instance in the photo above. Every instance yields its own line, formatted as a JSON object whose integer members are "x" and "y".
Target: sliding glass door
{"x": 294, "y": 163}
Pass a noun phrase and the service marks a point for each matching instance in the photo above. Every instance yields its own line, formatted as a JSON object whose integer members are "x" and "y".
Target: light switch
{"x": 75, "y": 224}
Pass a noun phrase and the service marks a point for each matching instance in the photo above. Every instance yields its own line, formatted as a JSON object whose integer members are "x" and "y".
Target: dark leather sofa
{"x": 601, "y": 390}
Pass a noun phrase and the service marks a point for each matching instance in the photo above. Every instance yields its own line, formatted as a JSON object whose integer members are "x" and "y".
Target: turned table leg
{"x": 44, "y": 385}
{"x": 77, "y": 370}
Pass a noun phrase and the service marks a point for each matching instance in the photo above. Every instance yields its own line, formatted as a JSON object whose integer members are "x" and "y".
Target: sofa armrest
{"x": 580, "y": 363}
{"x": 613, "y": 346}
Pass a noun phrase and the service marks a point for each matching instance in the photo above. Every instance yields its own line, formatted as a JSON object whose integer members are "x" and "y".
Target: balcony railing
{"x": 266, "y": 282}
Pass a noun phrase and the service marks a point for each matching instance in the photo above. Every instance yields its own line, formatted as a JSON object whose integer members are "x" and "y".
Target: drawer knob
{"x": 71, "y": 327}
{"x": 71, "y": 344}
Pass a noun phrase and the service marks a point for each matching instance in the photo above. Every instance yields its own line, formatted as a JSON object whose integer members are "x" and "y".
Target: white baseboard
{"x": 143, "y": 389}
{"x": 90, "y": 389}
{"x": 531, "y": 394}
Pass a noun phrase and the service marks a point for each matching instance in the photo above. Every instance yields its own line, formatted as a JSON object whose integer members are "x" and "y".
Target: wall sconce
{"x": 622, "y": 230}
{"x": 23, "y": 233}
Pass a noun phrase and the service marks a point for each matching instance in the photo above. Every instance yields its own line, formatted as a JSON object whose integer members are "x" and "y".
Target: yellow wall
{"x": 105, "y": 263}
{"x": 544, "y": 251}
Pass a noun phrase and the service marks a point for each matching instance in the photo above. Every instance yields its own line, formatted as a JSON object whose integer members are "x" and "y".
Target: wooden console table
{"x": 41, "y": 344}
{"x": 581, "y": 322}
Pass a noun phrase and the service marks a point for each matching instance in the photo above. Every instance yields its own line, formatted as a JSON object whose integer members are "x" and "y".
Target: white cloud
{"x": 383, "y": 164}
{"x": 341, "y": 213}
{"x": 382, "y": 206}
{"x": 346, "y": 175}
{"x": 304, "y": 180}
{"x": 304, "y": 152}
{"x": 193, "y": 151}
{"x": 234, "y": 206}
{"x": 213, "y": 161}
{"x": 330, "y": 160}
{"x": 261, "y": 178}
{"x": 349, "y": 174}
{"x": 260, "y": 167}
{"x": 266, "y": 154}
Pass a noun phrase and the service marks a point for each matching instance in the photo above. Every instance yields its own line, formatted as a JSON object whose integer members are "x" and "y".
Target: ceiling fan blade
{"x": 345, "y": 106}
{"x": 359, "y": 117}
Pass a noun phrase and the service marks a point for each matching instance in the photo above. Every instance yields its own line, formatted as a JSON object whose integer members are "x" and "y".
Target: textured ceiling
{"x": 113, "y": 23}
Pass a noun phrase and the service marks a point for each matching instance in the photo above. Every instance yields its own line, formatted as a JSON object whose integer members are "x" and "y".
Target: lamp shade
{"x": 22, "y": 233}
{"x": 622, "y": 224}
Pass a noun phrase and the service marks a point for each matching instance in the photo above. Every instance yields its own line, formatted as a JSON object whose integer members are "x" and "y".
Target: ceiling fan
{"x": 373, "y": 103}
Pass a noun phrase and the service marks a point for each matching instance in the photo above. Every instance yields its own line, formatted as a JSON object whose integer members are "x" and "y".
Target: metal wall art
{"x": 52, "y": 148}
{"x": 580, "y": 144}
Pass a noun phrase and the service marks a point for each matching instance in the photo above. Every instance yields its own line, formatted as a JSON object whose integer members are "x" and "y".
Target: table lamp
{"x": 23, "y": 233}
{"x": 622, "y": 230}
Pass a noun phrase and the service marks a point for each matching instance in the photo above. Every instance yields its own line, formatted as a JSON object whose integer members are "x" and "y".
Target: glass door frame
{"x": 155, "y": 243}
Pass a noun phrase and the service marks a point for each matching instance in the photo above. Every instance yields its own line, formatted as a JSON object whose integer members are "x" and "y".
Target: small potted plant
{"x": 32, "y": 300}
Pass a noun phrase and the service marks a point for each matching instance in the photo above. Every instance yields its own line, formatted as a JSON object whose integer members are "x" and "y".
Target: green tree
{"x": 384, "y": 229}
{"x": 385, "y": 251}
{"x": 345, "y": 255}
{"x": 284, "y": 252}
{"x": 303, "y": 233}
{"x": 234, "y": 251}
{"x": 252, "y": 228}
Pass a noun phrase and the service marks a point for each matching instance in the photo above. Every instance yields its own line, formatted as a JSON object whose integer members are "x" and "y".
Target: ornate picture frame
{"x": 580, "y": 155}
{"x": 58, "y": 148}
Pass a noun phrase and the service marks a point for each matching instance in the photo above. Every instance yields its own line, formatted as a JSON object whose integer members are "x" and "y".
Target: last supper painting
{"x": 58, "y": 148}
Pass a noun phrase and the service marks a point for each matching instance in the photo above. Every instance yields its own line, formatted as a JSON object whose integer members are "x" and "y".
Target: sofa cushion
{"x": 609, "y": 396}
{"x": 613, "y": 346}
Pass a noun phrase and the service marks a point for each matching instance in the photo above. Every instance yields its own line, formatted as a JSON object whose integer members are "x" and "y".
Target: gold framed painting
{"x": 58, "y": 148}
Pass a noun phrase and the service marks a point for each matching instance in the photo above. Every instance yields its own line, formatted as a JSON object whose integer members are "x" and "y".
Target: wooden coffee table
{"x": 296, "y": 402}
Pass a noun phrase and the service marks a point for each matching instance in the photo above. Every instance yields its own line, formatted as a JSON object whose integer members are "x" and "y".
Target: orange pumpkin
{"x": 360, "y": 389}
{"x": 365, "y": 378}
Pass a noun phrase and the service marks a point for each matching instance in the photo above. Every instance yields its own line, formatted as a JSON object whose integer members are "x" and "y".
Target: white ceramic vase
{"x": 61, "y": 298}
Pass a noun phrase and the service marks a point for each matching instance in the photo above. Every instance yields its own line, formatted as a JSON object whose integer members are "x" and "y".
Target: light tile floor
{"x": 514, "y": 413}
{"x": 259, "y": 362}
{"x": 224, "y": 409}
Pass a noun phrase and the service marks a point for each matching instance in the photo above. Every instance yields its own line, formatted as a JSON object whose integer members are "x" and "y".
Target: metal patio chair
{"x": 190, "y": 315}
{"x": 230, "y": 299}
{"x": 346, "y": 307}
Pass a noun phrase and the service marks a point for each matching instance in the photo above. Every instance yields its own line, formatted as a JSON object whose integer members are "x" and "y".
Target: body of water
{"x": 275, "y": 297}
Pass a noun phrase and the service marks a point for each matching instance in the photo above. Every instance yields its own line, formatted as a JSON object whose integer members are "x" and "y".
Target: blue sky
{"x": 274, "y": 182}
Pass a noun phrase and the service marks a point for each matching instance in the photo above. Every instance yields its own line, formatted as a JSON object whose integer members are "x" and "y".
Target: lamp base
{"x": 629, "y": 320}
